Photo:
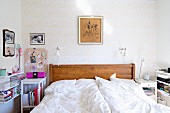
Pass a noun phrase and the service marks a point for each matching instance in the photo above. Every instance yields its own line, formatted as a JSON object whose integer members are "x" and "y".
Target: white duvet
{"x": 102, "y": 96}
{"x": 84, "y": 98}
{"x": 125, "y": 96}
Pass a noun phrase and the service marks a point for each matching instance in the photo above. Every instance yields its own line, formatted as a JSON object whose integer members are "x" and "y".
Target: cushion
{"x": 113, "y": 76}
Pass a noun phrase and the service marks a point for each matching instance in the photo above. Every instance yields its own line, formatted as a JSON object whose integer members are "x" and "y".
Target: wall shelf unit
{"x": 163, "y": 84}
{"x": 10, "y": 87}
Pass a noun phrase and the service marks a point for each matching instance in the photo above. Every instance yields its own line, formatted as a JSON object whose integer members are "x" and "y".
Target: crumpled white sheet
{"x": 74, "y": 99}
{"x": 127, "y": 97}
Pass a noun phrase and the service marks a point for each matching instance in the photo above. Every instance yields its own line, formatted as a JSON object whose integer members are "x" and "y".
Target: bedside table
{"x": 149, "y": 87}
{"x": 32, "y": 91}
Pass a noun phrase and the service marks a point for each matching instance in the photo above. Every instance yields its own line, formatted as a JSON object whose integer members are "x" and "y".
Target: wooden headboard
{"x": 89, "y": 71}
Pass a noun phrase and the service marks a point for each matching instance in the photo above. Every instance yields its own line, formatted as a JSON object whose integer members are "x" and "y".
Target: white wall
{"x": 127, "y": 23}
{"x": 10, "y": 11}
{"x": 10, "y": 19}
{"x": 164, "y": 34}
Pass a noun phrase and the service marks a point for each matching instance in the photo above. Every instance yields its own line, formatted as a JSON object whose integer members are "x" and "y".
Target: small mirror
{"x": 8, "y": 43}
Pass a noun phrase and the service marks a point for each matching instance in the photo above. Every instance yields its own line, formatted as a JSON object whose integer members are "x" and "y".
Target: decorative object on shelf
{"x": 90, "y": 30}
{"x": 37, "y": 38}
{"x": 8, "y": 43}
{"x": 141, "y": 65}
{"x": 123, "y": 53}
{"x": 35, "y": 60}
{"x": 16, "y": 69}
{"x": 146, "y": 76}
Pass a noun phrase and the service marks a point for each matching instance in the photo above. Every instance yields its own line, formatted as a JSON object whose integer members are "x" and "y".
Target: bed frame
{"x": 89, "y": 71}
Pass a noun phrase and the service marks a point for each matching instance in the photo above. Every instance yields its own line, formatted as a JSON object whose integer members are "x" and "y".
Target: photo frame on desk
{"x": 90, "y": 30}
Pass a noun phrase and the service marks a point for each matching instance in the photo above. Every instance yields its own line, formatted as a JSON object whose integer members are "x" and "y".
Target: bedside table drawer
{"x": 148, "y": 84}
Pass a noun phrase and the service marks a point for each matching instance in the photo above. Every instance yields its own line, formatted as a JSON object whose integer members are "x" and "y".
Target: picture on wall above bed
{"x": 90, "y": 30}
{"x": 37, "y": 38}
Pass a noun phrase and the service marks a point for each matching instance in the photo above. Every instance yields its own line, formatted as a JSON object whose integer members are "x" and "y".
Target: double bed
{"x": 94, "y": 89}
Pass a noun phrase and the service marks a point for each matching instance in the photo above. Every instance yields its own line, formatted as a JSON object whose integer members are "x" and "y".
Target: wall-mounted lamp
{"x": 57, "y": 51}
{"x": 123, "y": 52}
{"x": 58, "y": 55}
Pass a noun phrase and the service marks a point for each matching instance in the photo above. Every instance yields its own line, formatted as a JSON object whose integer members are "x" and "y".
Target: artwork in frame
{"x": 9, "y": 36}
{"x": 37, "y": 38}
{"x": 90, "y": 30}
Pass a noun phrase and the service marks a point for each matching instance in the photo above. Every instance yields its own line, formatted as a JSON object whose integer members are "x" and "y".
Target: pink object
{"x": 35, "y": 75}
{"x": 20, "y": 51}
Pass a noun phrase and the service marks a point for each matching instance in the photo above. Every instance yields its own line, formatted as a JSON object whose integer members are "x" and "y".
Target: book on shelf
{"x": 36, "y": 96}
{"x": 5, "y": 99}
{"x": 31, "y": 98}
{"x": 5, "y": 95}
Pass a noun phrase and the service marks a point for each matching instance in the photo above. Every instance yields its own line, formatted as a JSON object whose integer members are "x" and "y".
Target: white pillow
{"x": 121, "y": 80}
{"x": 59, "y": 85}
{"x": 113, "y": 76}
{"x": 84, "y": 81}
{"x": 99, "y": 79}
{"x": 66, "y": 82}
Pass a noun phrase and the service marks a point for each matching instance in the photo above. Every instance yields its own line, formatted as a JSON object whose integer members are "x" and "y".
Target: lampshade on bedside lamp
{"x": 141, "y": 65}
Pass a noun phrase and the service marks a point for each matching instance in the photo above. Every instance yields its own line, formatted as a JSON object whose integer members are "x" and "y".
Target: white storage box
{"x": 5, "y": 86}
{"x": 4, "y": 79}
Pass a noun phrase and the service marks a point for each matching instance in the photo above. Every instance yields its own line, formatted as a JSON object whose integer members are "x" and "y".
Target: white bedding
{"x": 125, "y": 96}
{"x": 100, "y": 96}
{"x": 83, "y": 98}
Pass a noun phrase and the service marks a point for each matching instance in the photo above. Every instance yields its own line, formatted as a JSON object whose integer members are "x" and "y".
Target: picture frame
{"x": 37, "y": 38}
{"x": 9, "y": 36}
{"x": 90, "y": 30}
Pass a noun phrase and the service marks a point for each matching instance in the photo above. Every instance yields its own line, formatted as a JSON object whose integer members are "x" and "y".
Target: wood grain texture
{"x": 89, "y": 71}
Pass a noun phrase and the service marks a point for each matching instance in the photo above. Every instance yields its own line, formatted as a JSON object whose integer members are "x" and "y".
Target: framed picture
{"x": 90, "y": 30}
{"x": 9, "y": 51}
{"x": 9, "y": 36}
{"x": 37, "y": 38}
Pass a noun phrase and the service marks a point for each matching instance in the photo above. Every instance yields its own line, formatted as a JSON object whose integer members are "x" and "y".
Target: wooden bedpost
{"x": 133, "y": 71}
{"x": 51, "y": 77}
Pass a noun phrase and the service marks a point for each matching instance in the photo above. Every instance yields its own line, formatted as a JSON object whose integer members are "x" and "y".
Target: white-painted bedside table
{"x": 148, "y": 84}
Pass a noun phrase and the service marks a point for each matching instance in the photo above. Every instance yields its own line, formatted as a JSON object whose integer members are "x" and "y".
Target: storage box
{"x": 35, "y": 75}
{"x": 2, "y": 72}
{"x": 5, "y": 86}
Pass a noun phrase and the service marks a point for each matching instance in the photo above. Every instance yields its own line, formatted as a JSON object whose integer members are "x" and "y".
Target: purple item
{"x": 35, "y": 75}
